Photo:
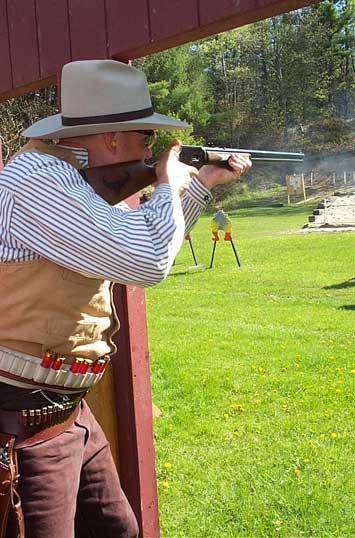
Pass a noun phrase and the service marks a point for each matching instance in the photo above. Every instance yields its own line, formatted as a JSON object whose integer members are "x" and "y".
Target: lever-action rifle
{"x": 125, "y": 179}
{"x": 198, "y": 156}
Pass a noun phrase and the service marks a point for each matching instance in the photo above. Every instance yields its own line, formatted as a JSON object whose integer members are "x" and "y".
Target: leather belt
{"x": 31, "y": 426}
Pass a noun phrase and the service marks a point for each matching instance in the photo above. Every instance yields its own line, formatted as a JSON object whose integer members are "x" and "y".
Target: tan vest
{"x": 45, "y": 307}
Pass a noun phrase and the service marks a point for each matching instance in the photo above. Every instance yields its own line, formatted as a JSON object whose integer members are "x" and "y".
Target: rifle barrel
{"x": 198, "y": 155}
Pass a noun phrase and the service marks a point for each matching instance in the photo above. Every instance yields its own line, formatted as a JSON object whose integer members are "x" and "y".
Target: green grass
{"x": 273, "y": 196}
{"x": 253, "y": 369}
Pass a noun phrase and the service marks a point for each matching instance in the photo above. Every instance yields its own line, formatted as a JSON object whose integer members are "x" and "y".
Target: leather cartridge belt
{"x": 50, "y": 372}
{"x": 31, "y": 426}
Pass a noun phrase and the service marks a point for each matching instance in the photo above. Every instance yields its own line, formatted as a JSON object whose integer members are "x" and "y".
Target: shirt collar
{"x": 81, "y": 154}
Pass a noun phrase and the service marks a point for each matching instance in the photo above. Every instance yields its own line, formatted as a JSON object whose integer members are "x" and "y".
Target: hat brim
{"x": 52, "y": 126}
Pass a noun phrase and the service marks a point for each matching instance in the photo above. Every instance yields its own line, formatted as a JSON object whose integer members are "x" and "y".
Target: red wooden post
{"x": 134, "y": 410}
{"x": 134, "y": 407}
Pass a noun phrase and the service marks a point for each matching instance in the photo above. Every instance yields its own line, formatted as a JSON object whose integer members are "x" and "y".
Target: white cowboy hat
{"x": 99, "y": 96}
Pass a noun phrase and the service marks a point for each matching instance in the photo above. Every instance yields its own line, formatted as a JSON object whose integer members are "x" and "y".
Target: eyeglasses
{"x": 150, "y": 135}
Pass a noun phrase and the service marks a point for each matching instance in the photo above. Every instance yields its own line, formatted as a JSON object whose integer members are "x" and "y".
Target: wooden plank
{"x": 53, "y": 36}
{"x": 214, "y": 11}
{"x": 266, "y": 3}
{"x": 128, "y": 23}
{"x": 23, "y": 41}
{"x": 21, "y": 90}
{"x": 5, "y": 69}
{"x": 87, "y": 22}
{"x": 173, "y": 17}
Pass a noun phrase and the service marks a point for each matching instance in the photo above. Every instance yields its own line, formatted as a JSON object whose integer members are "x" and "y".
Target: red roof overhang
{"x": 37, "y": 37}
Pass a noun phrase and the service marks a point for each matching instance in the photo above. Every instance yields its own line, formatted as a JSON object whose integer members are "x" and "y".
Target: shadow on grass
{"x": 347, "y": 307}
{"x": 342, "y": 285}
{"x": 188, "y": 270}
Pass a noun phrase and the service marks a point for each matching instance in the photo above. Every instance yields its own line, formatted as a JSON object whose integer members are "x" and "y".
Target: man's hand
{"x": 211, "y": 175}
{"x": 170, "y": 170}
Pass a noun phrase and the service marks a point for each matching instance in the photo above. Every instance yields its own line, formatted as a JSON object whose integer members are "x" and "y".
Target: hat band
{"x": 109, "y": 118}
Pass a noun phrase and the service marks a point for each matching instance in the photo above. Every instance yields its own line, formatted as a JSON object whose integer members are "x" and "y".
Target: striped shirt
{"x": 48, "y": 210}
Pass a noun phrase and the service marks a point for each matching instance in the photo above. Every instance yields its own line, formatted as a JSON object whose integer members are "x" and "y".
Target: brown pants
{"x": 70, "y": 488}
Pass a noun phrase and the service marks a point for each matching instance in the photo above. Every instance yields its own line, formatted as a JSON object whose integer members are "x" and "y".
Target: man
{"x": 63, "y": 242}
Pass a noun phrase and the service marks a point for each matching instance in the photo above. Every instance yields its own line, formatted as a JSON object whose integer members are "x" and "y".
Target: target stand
{"x": 188, "y": 238}
{"x": 221, "y": 221}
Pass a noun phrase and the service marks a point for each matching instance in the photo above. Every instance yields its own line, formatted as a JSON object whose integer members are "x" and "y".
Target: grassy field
{"x": 253, "y": 369}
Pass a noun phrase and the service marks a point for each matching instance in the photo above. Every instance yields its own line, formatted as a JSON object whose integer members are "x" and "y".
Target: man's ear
{"x": 110, "y": 142}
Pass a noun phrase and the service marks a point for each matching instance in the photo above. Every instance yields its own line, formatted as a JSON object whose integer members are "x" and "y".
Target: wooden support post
{"x": 344, "y": 175}
{"x": 311, "y": 179}
{"x": 288, "y": 194}
{"x": 303, "y": 187}
{"x": 333, "y": 178}
{"x": 134, "y": 407}
{"x": 134, "y": 410}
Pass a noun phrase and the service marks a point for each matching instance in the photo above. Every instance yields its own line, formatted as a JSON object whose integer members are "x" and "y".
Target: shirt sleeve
{"x": 60, "y": 217}
{"x": 194, "y": 201}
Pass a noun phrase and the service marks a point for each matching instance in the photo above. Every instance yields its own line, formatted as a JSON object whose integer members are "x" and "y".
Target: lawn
{"x": 253, "y": 369}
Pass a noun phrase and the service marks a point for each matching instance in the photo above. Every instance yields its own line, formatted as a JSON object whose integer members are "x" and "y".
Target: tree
{"x": 20, "y": 112}
{"x": 178, "y": 84}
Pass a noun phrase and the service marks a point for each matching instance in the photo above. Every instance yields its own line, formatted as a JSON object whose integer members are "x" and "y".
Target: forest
{"x": 285, "y": 83}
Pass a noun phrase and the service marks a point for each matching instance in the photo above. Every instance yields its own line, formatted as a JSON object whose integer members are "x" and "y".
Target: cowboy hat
{"x": 99, "y": 96}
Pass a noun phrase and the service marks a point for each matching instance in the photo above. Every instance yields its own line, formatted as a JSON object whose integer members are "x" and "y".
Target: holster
{"x": 23, "y": 428}
{"x": 9, "y": 497}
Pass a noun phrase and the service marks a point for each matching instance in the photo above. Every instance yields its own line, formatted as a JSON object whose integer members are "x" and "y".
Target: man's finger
{"x": 175, "y": 147}
{"x": 243, "y": 157}
{"x": 240, "y": 160}
{"x": 175, "y": 142}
